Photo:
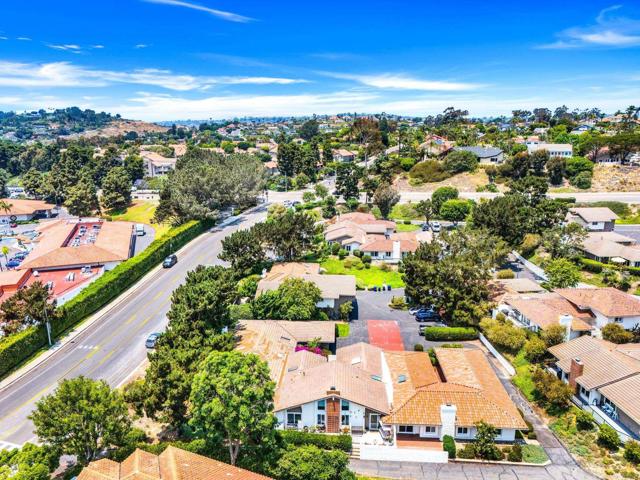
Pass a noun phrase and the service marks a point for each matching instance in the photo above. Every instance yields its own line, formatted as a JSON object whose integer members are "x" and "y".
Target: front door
{"x": 333, "y": 415}
{"x": 374, "y": 421}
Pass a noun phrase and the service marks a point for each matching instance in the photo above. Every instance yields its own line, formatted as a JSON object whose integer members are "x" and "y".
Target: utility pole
{"x": 47, "y": 324}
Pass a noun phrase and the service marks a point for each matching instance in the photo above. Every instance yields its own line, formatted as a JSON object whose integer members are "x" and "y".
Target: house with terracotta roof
{"x": 539, "y": 311}
{"x": 23, "y": 210}
{"x": 335, "y": 289}
{"x": 606, "y": 305}
{"x": 605, "y": 378}
{"x": 374, "y": 237}
{"x": 396, "y": 396}
{"x": 343, "y": 155}
{"x": 156, "y": 164}
{"x": 172, "y": 464}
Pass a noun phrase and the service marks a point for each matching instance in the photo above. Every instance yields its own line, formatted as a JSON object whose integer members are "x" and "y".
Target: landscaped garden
{"x": 369, "y": 277}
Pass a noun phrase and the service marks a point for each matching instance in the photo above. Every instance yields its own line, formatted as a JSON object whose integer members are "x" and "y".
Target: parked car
{"x": 21, "y": 255}
{"x": 152, "y": 339}
{"x": 426, "y": 314}
{"x": 170, "y": 261}
{"x": 13, "y": 225}
{"x": 435, "y": 226}
{"x": 7, "y": 233}
{"x": 13, "y": 263}
{"x": 425, "y": 227}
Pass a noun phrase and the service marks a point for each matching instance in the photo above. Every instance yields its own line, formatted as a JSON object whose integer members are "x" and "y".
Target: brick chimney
{"x": 577, "y": 367}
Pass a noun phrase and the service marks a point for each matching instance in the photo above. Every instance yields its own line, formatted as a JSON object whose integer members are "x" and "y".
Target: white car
{"x": 435, "y": 226}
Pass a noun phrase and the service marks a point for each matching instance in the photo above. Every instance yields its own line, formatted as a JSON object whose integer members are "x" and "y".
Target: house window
{"x": 387, "y": 254}
{"x": 429, "y": 429}
{"x": 498, "y": 432}
{"x": 584, "y": 392}
{"x": 405, "y": 428}
{"x": 322, "y": 405}
{"x": 347, "y": 248}
{"x": 344, "y": 405}
{"x": 294, "y": 416}
{"x": 618, "y": 319}
{"x": 374, "y": 254}
{"x": 344, "y": 420}
{"x": 320, "y": 419}
{"x": 463, "y": 431}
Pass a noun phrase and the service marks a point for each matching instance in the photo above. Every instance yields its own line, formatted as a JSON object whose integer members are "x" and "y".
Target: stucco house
{"x": 486, "y": 155}
{"x": 554, "y": 149}
{"x": 594, "y": 219}
{"x": 606, "y": 380}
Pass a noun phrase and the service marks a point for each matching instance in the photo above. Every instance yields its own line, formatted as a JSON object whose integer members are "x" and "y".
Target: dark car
{"x": 170, "y": 261}
{"x": 13, "y": 263}
{"x": 152, "y": 339}
{"x": 20, "y": 255}
{"x": 13, "y": 225}
{"x": 427, "y": 315}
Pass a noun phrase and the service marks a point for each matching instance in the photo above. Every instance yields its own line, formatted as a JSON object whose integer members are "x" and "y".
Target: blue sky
{"x": 179, "y": 59}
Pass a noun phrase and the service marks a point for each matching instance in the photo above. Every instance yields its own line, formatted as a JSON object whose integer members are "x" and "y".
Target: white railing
{"x": 503, "y": 361}
{"x": 532, "y": 267}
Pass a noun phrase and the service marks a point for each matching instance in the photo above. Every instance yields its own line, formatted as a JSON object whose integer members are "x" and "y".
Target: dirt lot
{"x": 120, "y": 127}
{"x": 464, "y": 182}
{"x": 615, "y": 178}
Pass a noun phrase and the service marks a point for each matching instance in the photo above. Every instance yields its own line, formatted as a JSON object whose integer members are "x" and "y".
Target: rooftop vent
{"x": 402, "y": 378}
{"x": 355, "y": 360}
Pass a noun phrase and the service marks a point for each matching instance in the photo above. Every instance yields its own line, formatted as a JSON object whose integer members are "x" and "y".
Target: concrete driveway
{"x": 375, "y": 306}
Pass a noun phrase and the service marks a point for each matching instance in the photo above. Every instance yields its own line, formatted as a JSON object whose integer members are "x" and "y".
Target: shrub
{"x": 335, "y": 248}
{"x": 432, "y": 356}
{"x": 320, "y": 440}
{"x": 366, "y": 259}
{"x": 503, "y": 335}
{"x": 452, "y": 345}
{"x": 247, "y": 286}
{"x": 535, "y": 349}
{"x": 385, "y": 267}
{"x": 351, "y": 262}
{"x": 308, "y": 197}
{"x": 460, "y": 161}
{"x": 429, "y": 171}
{"x": 515, "y": 454}
{"x": 616, "y": 333}
{"x": 582, "y": 180}
{"x": 608, "y": 437}
{"x": 441, "y": 334}
{"x": 584, "y": 420}
{"x": 407, "y": 222}
{"x": 342, "y": 253}
{"x": 554, "y": 335}
{"x": 418, "y": 347}
{"x": 632, "y": 451}
{"x": 449, "y": 446}
{"x": 530, "y": 243}
{"x": 407, "y": 163}
{"x": 16, "y": 348}
{"x": 591, "y": 265}
{"x": 505, "y": 273}
{"x": 467, "y": 452}
{"x": 578, "y": 165}
{"x": 241, "y": 312}
{"x": 551, "y": 389}
{"x": 398, "y": 303}
{"x": 357, "y": 253}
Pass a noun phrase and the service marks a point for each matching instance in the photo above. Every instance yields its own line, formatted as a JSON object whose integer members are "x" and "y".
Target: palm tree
{"x": 5, "y": 252}
{"x": 5, "y": 206}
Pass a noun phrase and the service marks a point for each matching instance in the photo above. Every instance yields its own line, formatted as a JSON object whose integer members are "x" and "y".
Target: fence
{"x": 503, "y": 361}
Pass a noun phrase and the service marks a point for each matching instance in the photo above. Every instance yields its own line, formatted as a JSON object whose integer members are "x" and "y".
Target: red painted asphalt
{"x": 385, "y": 334}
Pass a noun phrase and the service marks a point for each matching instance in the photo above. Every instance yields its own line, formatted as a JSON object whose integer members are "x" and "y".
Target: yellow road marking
{"x": 92, "y": 352}
{"x": 159, "y": 294}
{"x": 131, "y": 319}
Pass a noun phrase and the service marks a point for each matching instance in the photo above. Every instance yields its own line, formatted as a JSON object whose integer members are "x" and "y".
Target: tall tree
{"x": 309, "y": 129}
{"x": 309, "y": 461}
{"x": 425, "y": 208}
{"x": 441, "y": 195}
{"x": 82, "y": 198}
{"x": 134, "y": 166}
{"x": 232, "y": 402}
{"x": 244, "y": 251}
{"x": 385, "y": 197}
{"x": 289, "y": 235}
{"x": 28, "y": 306}
{"x": 452, "y": 274}
{"x": 82, "y": 417}
{"x": 294, "y": 299}
{"x": 116, "y": 189}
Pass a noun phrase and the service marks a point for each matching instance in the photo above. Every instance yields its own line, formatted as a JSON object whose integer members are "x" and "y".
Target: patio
{"x": 414, "y": 441}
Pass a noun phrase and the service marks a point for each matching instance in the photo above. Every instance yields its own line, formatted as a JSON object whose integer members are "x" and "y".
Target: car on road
{"x": 13, "y": 225}
{"x": 21, "y": 255}
{"x": 170, "y": 261}
{"x": 425, "y": 227}
{"x": 435, "y": 226}
{"x": 7, "y": 233}
{"x": 151, "y": 340}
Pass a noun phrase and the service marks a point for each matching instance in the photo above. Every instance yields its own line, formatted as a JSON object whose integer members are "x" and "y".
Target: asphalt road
{"x": 113, "y": 347}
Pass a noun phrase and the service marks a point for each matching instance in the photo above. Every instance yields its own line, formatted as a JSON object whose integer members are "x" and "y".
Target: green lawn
{"x": 534, "y": 454}
{"x": 522, "y": 378}
{"x": 142, "y": 212}
{"x": 630, "y": 220}
{"x": 365, "y": 277}
{"x": 405, "y": 211}
{"x": 401, "y": 227}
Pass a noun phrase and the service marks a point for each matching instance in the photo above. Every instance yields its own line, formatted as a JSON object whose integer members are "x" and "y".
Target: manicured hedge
{"x": 441, "y": 334}
{"x": 320, "y": 440}
{"x": 592, "y": 265}
{"x": 17, "y": 348}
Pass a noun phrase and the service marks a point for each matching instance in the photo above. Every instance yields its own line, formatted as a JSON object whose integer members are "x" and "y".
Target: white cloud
{"x": 24, "y": 39}
{"x": 97, "y": 46}
{"x": 402, "y": 82}
{"x": 66, "y": 74}
{"x": 141, "y": 45}
{"x": 67, "y": 47}
{"x": 609, "y": 31}
{"x": 3, "y": 38}
{"x": 229, "y": 16}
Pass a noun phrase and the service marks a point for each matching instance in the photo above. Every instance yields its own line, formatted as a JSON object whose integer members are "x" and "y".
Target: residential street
{"x": 113, "y": 347}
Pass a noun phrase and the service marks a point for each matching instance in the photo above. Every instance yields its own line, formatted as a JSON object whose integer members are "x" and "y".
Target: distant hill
{"x": 71, "y": 122}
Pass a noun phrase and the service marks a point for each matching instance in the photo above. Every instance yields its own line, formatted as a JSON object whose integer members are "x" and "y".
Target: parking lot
{"x": 374, "y": 306}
